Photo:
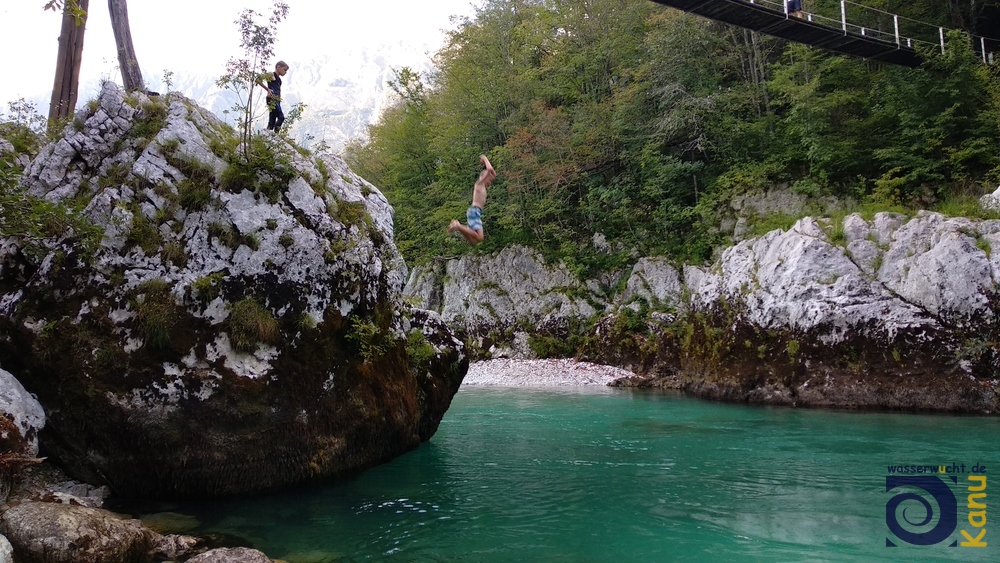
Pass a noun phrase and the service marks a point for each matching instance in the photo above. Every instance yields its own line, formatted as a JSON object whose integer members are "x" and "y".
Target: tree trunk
{"x": 69, "y": 58}
{"x": 131, "y": 75}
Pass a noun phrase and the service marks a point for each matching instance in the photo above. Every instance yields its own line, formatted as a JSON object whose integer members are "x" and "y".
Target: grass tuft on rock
{"x": 144, "y": 234}
{"x": 149, "y": 120}
{"x": 250, "y": 323}
{"x": 156, "y": 312}
{"x": 208, "y": 287}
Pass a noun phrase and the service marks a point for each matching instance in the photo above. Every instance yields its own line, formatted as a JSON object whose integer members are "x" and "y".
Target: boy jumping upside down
{"x": 474, "y": 231}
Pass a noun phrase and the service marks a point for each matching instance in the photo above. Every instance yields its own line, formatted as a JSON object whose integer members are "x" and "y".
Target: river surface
{"x": 595, "y": 474}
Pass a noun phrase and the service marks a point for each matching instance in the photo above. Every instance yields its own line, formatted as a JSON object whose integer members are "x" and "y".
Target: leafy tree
{"x": 825, "y": 103}
{"x": 974, "y": 16}
{"x": 398, "y": 158}
{"x": 643, "y": 124}
{"x": 941, "y": 134}
{"x": 23, "y": 127}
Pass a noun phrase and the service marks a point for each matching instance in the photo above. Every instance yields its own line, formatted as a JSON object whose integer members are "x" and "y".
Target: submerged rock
{"x": 239, "y": 326}
{"x": 67, "y": 532}
{"x": 231, "y": 555}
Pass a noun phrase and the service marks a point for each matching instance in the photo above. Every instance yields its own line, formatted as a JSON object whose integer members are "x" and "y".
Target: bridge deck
{"x": 772, "y": 22}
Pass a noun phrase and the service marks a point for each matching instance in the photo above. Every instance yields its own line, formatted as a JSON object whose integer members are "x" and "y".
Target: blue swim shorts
{"x": 474, "y": 218}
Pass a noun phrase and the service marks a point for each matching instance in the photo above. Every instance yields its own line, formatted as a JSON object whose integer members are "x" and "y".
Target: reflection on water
{"x": 618, "y": 475}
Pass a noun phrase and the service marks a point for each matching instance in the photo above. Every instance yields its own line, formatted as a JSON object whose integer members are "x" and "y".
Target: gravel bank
{"x": 541, "y": 373}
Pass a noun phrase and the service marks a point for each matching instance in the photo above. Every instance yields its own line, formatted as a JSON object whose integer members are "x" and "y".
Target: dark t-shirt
{"x": 274, "y": 85}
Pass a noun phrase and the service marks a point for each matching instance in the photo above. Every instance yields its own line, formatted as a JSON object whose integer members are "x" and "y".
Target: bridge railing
{"x": 866, "y": 21}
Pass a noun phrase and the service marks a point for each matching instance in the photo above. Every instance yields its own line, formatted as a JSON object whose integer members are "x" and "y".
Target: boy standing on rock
{"x": 273, "y": 87}
{"x": 474, "y": 231}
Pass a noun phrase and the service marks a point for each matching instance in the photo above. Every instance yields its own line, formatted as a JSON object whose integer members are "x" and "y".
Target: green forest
{"x": 641, "y": 123}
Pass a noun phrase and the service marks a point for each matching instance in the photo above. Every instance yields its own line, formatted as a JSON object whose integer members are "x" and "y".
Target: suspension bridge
{"x": 855, "y": 30}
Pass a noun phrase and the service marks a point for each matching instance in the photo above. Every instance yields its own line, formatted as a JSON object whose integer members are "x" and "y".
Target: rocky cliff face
{"x": 498, "y": 301}
{"x": 884, "y": 313}
{"x": 239, "y": 326}
{"x": 887, "y": 312}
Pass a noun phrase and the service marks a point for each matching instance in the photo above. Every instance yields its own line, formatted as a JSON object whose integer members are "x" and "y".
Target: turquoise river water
{"x": 585, "y": 475}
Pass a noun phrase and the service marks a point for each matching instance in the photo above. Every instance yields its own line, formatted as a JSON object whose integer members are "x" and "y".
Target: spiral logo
{"x": 917, "y": 512}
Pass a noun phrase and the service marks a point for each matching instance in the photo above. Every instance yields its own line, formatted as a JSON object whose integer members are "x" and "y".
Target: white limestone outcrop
{"x": 991, "y": 201}
{"x": 513, "y": 289}
{"x": 23, "y": 409}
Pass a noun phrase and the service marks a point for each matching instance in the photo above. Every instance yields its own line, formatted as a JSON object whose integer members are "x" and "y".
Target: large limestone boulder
{"x": 239, "y": 323}
{"x": 797, "y": 280}
{"x": 945, "y": 266}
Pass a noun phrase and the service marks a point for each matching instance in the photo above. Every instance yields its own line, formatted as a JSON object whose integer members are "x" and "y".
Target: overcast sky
{"x": 199, "y": 36}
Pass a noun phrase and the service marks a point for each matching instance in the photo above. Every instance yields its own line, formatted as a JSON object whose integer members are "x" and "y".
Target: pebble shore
{"x": 541, "y": 373}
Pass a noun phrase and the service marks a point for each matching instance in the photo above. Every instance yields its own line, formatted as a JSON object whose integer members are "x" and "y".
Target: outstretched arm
{"x": 485, "y": 178}
{"x": 489, "y": 173}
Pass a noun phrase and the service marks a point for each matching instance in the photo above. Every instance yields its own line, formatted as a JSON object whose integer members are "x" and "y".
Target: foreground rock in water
{"x": 57, "y": 532}
{"x": 238, "y": 327}
{"x": 51, "y": 518}
{"x": 891, "y": 312}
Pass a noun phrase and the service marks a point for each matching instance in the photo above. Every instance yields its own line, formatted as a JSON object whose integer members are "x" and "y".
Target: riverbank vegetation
{"x": 641, "y": 123}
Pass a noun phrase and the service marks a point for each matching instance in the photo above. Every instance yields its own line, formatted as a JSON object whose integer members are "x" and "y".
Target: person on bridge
{"x": 795, "y": 8}
{"x": 474, "y": 231}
